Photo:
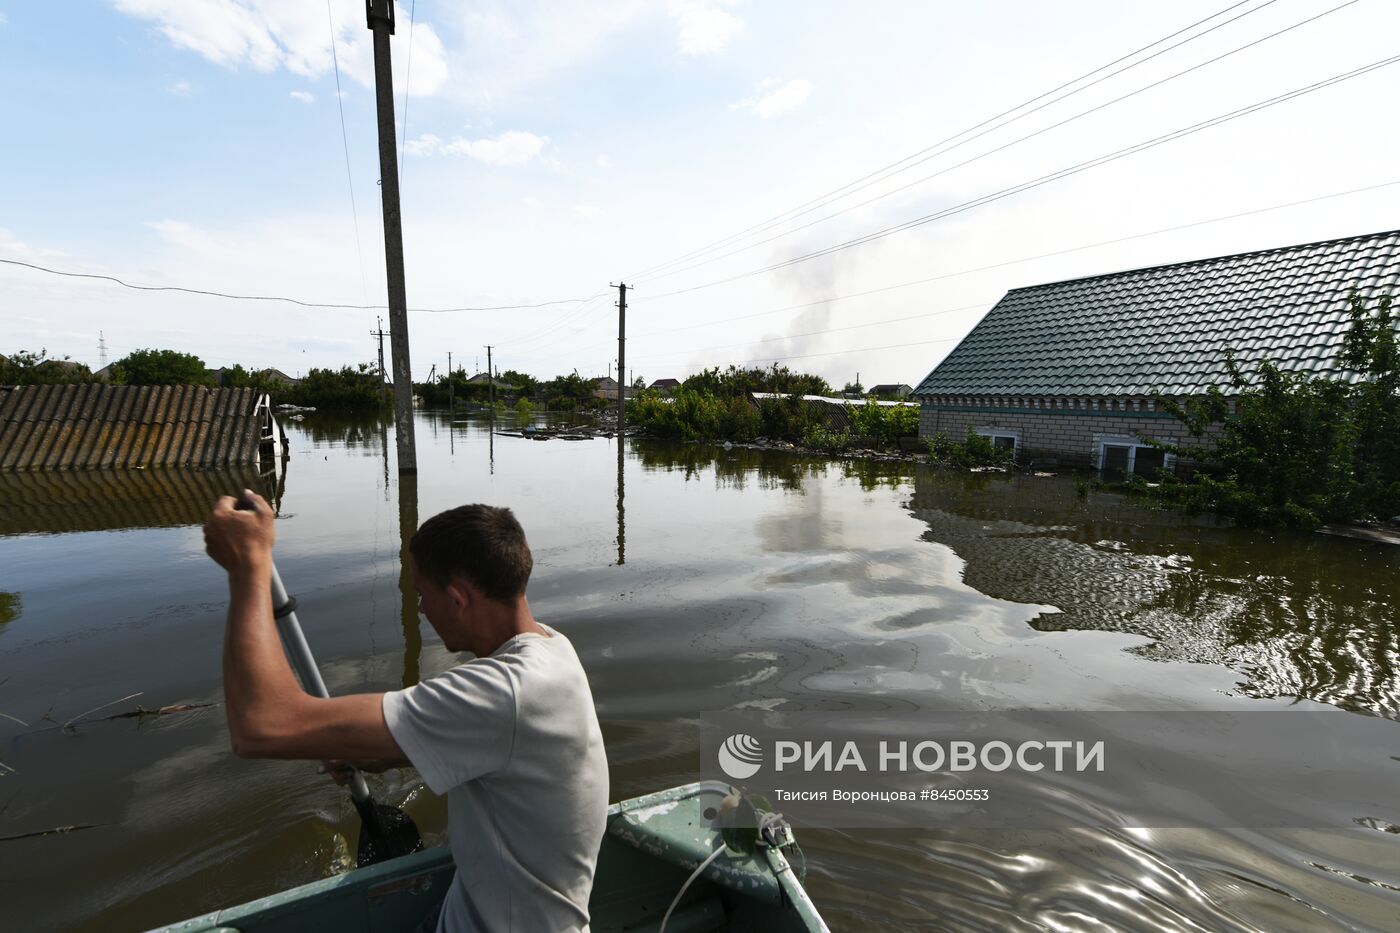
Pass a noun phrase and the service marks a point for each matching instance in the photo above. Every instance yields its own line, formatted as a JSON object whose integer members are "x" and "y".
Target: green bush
{"x": 818, "y": 437}
{"x": 695, "y": 416}
{"x": 348, "y": 389}
{"x": 787, "y": 418}
{"x": 974, "y": 451}
{"x": 734, "y": 381}
{"x": 886, "y": 424}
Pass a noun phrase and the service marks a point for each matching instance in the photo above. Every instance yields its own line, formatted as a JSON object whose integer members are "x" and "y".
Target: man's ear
{"x": 460, "y": 593}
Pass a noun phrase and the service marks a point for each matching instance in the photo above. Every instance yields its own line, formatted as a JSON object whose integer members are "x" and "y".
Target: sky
{"x": 932, "y": 155}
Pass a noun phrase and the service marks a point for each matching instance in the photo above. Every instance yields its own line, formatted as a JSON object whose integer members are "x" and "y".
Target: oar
{"x": 385, "y": 832}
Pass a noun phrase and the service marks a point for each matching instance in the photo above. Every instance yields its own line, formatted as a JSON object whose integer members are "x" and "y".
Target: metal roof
{"x": 1167, "y": 328}
{"x": 102, "y": 426}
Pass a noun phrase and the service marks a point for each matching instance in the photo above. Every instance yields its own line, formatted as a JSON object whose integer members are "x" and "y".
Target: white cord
{"x": 693, "y": 875}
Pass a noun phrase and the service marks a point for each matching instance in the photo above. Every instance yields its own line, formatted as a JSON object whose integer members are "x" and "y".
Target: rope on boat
{"x": 685, "y": 887}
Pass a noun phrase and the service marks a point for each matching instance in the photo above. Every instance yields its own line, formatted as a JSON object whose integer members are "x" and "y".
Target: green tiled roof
{"x": 1167, "y": 328}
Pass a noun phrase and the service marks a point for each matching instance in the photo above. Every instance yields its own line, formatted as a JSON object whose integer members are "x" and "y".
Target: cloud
{"x": 603, "y": 161}
{"x": 773, "y": 98}
{"x": 532, "y": 203}
{"x": 509, "y": 46}
{"x": 306, "y": 97}
{"x": 15, "y": 248}
{"x": 510, "y": 148}
{"x": 3, "y": 19}
{"x": 266, "y": 35}
{"x": 702, "y": 28}
{"x": 181, "y": 89}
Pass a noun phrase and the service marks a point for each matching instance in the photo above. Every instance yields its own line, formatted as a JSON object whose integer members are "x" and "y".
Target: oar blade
{"x": 385, "y": 833}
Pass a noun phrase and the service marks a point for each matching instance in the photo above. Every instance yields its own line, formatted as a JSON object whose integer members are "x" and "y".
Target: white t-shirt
{"x": 513, "y": 741}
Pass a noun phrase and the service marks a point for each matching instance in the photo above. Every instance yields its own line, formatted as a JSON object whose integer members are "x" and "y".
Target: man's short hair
{"x": 482, "y": 543}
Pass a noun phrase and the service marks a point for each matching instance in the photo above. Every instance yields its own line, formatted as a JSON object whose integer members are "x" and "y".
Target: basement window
{"x": 1002, "y": 439}
{"x": 1121, "y": 457}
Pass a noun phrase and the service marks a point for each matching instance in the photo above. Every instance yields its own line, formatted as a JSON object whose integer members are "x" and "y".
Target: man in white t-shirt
{"x": 509, "y": 736}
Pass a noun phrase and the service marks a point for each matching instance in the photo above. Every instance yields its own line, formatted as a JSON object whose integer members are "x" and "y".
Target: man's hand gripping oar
{"x": 386, "y": 832}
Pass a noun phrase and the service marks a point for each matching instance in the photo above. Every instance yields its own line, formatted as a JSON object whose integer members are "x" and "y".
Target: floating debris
{"x": 57, "y": 830}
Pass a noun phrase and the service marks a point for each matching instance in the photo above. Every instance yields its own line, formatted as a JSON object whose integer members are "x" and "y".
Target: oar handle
{"x": 299, "y": 654}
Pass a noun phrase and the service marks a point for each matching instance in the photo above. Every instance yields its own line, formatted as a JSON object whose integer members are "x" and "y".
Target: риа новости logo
{"x": 741, "y": 756}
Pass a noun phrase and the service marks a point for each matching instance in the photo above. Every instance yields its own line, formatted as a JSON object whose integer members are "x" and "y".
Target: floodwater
{"x": 690, "y": 579}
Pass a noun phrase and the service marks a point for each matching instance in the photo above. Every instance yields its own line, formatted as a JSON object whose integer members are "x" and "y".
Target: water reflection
{"x": 65, "y": 501}
{"x": 408, "y": 595}
{"x": 1298, "y": 615}
{"x": 621, "y": 518}
{"x": 771, "y": 468}
{"x": 11, "y": 605}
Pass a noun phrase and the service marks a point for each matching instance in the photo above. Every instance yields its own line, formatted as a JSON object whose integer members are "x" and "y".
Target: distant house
{"x": 665, "y": 385}
{"x": 886, "y": 390}
{"x": 605, "y": 387}
{"x": 1069, "y": 370}
{"x": 276, "y": 375}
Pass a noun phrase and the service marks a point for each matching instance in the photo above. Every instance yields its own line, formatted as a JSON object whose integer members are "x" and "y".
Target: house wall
{"x": 1064, "y": 429}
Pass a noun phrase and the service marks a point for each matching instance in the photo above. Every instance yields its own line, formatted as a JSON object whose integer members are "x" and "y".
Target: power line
{"x": 1014, "y": 142}
{"x": 1009, "y": 262}
{"x": 914, "y": 159}
{"x": 591, "y": 306}
{"x": 818, "y": 333}
{"x": 1046, "y": 179}
{"x": 1012, "y": 262}
{"x": 807, "y": 356}
{"x": 345, "y": 143}
{"x": 295, "y": 301}
{"x": 407, "y": 82}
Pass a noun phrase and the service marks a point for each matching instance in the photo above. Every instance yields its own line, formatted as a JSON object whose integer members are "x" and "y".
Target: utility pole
{"x": 490, "y": 381}
{"x": 621, "y": 355}
{"x": 380, "y": 334}
{"x": 450, "y": 402}
{"x": 379, "y": 15}
{"x": 102, "y": 348}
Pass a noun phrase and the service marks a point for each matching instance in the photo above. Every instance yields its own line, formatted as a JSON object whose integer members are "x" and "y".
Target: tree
{"x": 736, "y": 381}
{"x": 28, "y": 368}
{"x": 1299, "y": 449}
{"x": 160, "y": 368}
{"x": 523, "y": 382}
{"x": 348, "y": 389}
{"x": 236, "y": 377}
{"x": 569, "y": 393}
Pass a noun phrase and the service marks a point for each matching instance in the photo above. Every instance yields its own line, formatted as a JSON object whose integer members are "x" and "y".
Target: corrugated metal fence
{"x": 100, "y": 426}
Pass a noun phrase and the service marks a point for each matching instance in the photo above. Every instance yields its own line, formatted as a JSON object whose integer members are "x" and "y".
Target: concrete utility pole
{"x": 490, "y": 382}
{"x": 380, "y": 333}
{"x": 621, "y": 354}
{"x": 450, "y": 402}
{"x": 379, "y": 15}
